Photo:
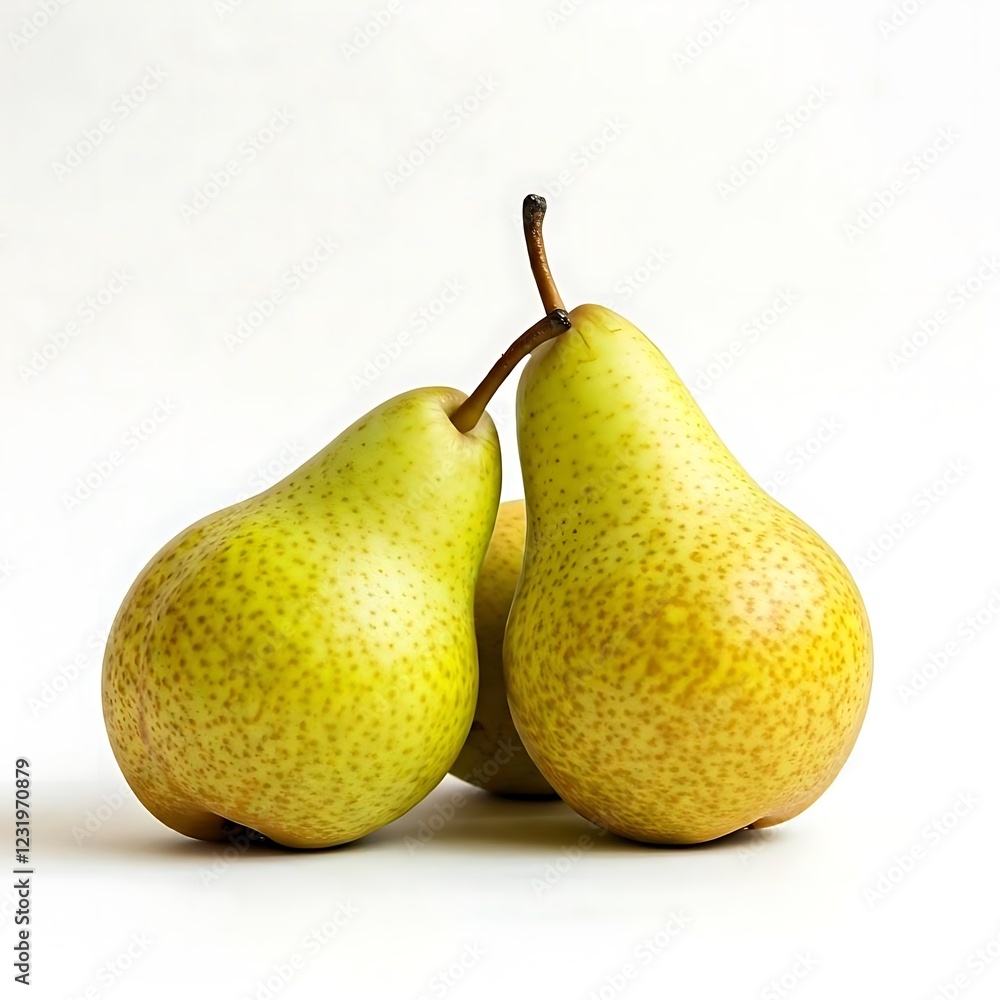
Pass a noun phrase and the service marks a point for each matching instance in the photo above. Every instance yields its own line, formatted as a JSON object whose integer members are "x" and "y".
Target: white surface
{"x": 241, "y": 418}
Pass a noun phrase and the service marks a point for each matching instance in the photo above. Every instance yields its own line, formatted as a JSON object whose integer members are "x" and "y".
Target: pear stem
{"x": 468, "y": 413}
{"x": 532, "y": 213}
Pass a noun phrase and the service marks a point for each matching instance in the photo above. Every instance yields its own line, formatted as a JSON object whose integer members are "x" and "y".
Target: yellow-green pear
{"x": 493, "y": 756}
{"x": 303, "y": 663}
{"x": 684, "y": 656}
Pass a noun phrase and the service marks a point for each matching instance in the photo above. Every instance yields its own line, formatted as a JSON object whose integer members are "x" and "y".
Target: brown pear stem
{"x": 532, "y": 213}
{"x": 468, "y": 413}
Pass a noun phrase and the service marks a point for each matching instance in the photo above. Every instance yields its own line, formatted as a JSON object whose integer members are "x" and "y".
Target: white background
{"x": 886, "y": 887}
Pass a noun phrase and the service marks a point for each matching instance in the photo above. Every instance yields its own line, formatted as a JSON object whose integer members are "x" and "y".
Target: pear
{"x": 493, "y": 756}
{"x": 684, "y": 657}
{"x": 302, "y": 664}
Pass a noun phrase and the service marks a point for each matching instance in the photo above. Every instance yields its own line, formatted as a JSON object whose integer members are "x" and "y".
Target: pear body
{"x": 684, "y": 657}
{"x": 303, "y": 663}
{"x": 493, "y": 756}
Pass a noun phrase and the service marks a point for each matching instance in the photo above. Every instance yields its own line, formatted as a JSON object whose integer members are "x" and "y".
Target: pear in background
{"x": 684, "y": 656}
{"x": 303, "y": 663}
{"x": 493, "y": 756}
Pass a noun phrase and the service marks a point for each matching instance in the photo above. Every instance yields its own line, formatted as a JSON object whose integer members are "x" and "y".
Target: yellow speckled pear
{"x": 493, "y": 756}
{"x": 303, "y": 663}
{"x": 684, "y": 656}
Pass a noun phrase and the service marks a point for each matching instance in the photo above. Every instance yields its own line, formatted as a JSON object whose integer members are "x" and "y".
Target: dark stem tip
{"x": 533, "y": 208}
{"x": 560, "y": 318}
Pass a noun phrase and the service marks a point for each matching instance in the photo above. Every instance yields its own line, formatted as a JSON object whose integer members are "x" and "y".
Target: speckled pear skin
{"x": 684, "y": 657}
{"x": 493, "y": 756}
{"x": 303, "y": 663}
